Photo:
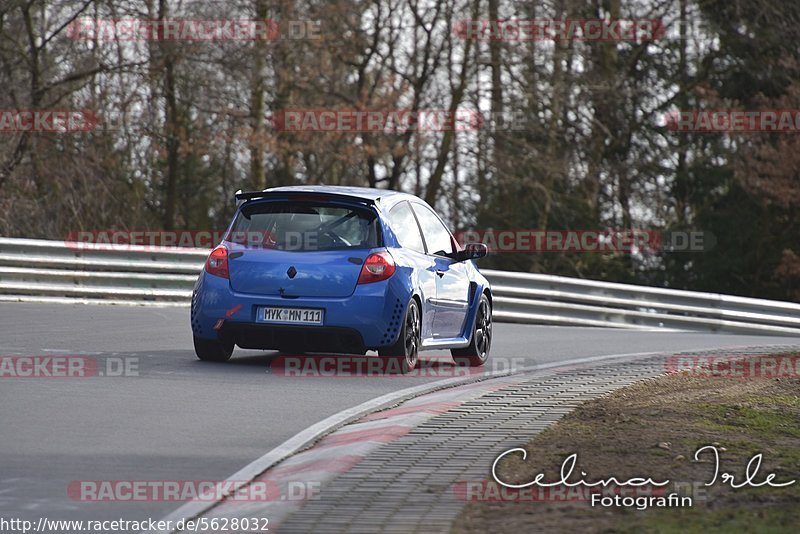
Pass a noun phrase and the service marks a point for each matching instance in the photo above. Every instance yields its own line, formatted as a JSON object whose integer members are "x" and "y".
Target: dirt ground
{"x": 652, "y": 430}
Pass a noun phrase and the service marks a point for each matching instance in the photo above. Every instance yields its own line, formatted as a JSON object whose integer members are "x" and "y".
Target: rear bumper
{"x": 368, "y": 319}
{"x": 294, "y": 338}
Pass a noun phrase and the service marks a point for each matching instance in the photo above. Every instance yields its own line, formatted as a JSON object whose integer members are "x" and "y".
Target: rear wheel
{"x": 210, "y": 350}
{"x": 406, "y": 350}
{"x": 477, "y": 352}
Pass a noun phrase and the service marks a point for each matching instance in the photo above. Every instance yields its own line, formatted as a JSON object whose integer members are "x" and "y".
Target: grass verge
{"x": 653, "y": 429}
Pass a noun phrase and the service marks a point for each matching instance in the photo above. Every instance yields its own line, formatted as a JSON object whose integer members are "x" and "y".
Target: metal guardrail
{"x": 558, "y": 300}
{"x": 38, "y": 270}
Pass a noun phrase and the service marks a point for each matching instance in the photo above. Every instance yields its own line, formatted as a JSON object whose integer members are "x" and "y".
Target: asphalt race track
{"x": 182, "y": 419}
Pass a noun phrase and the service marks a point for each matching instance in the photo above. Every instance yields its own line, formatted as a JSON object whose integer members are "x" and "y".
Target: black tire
{"x": 212, "y": 351}
{"x": 477, "y": 352}
{"x": 406, "y": 349}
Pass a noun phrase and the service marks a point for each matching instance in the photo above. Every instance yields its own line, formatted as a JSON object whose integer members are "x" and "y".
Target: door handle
{"x": 439, "y": 273}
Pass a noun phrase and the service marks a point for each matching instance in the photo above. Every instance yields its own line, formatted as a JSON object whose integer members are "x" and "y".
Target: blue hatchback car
{"x": 341, "y": 270}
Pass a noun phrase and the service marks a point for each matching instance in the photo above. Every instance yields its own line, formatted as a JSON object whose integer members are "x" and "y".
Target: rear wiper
{"x": 333, "y": 224}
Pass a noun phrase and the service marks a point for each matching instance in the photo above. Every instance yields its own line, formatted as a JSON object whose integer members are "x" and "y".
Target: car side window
{"x": 437, "y": 237}
{"x": 405, "y": 227}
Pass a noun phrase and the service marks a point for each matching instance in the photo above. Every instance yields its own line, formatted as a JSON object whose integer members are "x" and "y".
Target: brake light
{"x": 378, "y": 266}
{"x": 217, "y": 262}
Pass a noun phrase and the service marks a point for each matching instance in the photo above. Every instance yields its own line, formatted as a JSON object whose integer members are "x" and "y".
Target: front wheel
{"x": 477, "y": 352}
{"x": 406, "y": 349}
{"x": 210, "y": 350}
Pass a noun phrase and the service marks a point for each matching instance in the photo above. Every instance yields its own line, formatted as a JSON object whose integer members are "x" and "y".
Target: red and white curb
{"x": 301, "y": 477}
{"x": 303, "y": 464}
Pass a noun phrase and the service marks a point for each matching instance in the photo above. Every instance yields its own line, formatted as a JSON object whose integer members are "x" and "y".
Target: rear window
{"x": 303, "y": 226}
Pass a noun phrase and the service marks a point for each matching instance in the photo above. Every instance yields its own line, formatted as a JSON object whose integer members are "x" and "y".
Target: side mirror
{"x": 472, "y": 251}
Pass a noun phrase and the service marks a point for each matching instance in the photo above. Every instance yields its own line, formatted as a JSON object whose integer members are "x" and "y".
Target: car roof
{"x": 387, "y": 197}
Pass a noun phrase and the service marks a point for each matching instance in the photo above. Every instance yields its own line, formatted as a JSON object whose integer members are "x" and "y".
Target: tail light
{"x": 217, "y": 262}
{"x": 378, "y": 266}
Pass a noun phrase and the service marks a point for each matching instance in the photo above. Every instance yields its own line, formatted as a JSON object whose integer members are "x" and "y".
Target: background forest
{"x": 186, "y": 124}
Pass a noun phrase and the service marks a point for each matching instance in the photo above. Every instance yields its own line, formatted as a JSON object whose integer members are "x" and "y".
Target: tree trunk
{"x": 171, "y": 125}
{"x": 435, "y": 181}
{"x": 258, "y": 176}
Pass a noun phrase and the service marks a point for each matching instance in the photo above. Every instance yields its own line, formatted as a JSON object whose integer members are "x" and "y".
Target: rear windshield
{"x": 302, "y": 226}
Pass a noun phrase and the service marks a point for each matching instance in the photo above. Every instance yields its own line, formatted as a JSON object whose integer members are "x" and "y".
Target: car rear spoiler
{"x": 242, "y": 197}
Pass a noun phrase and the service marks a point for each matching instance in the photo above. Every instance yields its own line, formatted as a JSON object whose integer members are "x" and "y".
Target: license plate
{"x": 290, "y": 315}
